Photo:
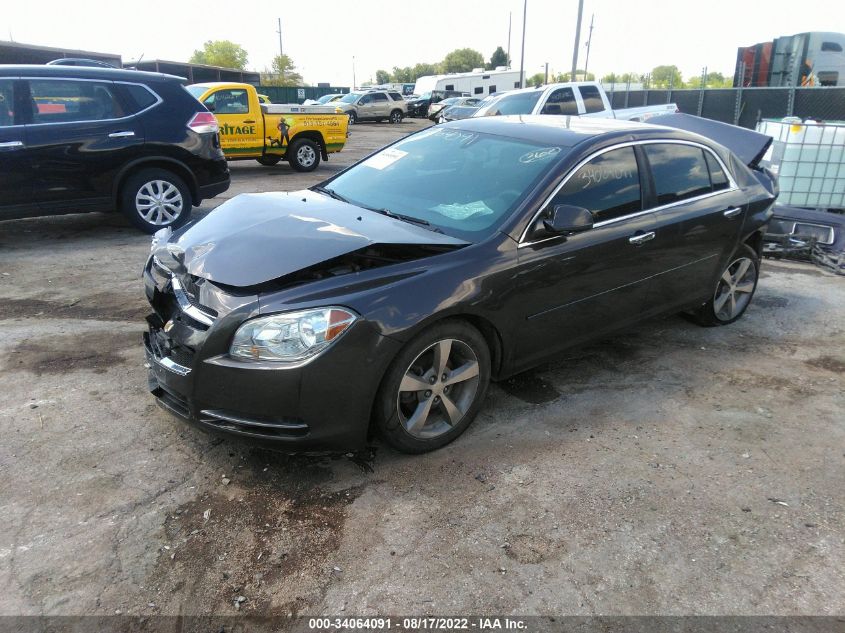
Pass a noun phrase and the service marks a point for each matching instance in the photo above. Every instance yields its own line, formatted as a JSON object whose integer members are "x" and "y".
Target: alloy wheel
{"x": 306, "y": 155}
{"x": 734, "y": 290}
{"x": 438, "y": 389}
{"x": 159, "y": 202}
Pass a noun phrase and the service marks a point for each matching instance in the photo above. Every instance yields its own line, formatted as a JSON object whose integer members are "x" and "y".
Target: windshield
{"x": 326, "y": 98}
{"x": 196, "y": 90}
{"x": 450, "y": 101}
{"x": 516, "y": 103}
{"x": 462, "y": 183}
{"x": 352, "y": 97}
{"x": 425, "y": 95}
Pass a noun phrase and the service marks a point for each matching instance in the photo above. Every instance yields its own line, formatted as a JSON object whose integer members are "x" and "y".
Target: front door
{"x": 15, "y": 166}
{"x": 573, "y": 288}
{"x": 80, "y": 135}
{"x": 239, "y": 136}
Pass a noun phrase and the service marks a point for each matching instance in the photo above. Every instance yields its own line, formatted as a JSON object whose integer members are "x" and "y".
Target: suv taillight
{"x": 203, "y": 123}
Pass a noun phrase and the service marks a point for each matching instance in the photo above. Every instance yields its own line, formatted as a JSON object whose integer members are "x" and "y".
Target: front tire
{"x": 434, "y": 388}
{"x": 153, "y": 199}
{"x": 304, "y": 155}
{"x": 734, "y": 290}
{"x": 353, "y": 118}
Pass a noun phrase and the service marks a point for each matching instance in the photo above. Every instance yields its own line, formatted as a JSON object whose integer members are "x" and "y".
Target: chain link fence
{"x": 741, "y": 106}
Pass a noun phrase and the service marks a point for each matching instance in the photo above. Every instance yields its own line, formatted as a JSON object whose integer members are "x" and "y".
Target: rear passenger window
{"x": 139, "y": 97}
{"x": 379, "y": 96}
{"x": 592, "y": 99}
{"x": 608, "y": 186}
{"x": 7, "y": 100}
{"x": 680, "y": 171}
{"x": 64, "y": 100}
{"x": 561, "y": 101}
{"x": 718, "y": 178}
{"x": 395, "y": 96}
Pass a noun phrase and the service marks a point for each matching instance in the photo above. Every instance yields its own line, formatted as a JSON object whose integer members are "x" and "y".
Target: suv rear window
{"x": 64, "y": 100}
{"x": 680, "y": 171}
{"x": 140, "y": 98}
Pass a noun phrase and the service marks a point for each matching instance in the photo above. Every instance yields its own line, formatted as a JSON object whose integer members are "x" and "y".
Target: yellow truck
{"x": 269, "y": 133}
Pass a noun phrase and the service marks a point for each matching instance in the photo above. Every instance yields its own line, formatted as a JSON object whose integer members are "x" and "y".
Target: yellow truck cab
{"x": 269, "y": 133}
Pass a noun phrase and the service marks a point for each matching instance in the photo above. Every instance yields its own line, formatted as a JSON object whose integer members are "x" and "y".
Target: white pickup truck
{"x": 582, "y": 98}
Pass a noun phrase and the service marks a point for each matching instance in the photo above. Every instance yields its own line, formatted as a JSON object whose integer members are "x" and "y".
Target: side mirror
{"x": 563, "y": 218}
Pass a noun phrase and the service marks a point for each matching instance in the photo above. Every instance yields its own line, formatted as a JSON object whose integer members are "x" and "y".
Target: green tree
{"x": 382, "y": 77}
{"x": 221, "y": 53}
{"x": 421, "y": 70}
{"x": 283, "y": 73}
{"x": 665, "y": 76}
{"x": 498, "y": 58}
{"x": 535, "y": 80}
{"x": 462, "y": 60}
{"x": 401, "y": 75}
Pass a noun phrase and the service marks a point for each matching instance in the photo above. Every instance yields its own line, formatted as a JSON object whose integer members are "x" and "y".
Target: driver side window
{"x": 608, "y": 186}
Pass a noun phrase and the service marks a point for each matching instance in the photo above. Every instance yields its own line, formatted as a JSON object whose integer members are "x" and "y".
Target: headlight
{"x": 291, "y": 336}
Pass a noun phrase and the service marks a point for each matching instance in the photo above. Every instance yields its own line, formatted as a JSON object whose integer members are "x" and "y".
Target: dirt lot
{"x": 671, "y": 470}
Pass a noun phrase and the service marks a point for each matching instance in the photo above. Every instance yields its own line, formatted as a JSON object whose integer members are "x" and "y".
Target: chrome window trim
{"x": 731, "y": 182}
{"x": 186, "y": 306}
{"x": 159, "y": 100}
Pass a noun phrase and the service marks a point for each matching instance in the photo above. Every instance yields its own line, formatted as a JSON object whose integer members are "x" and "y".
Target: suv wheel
{"x": 304, "y": 155}
{"x": 353, "y": 118}
{"x": 396, "y": 116}
{"x": 156, "y": 198}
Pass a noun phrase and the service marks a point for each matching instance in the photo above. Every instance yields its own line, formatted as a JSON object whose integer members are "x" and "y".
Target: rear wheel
{"x": 396, "y": 116}
{"x": 304, "y": 155}
{"x": 734, "y": 290}
{"x": 155, "y": 198}
{"x": 434, "y": 388}
{"x": 269, "y": 160}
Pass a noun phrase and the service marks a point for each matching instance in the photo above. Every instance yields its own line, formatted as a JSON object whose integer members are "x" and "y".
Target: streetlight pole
{"x": 353, "y": 72}
{"x": 510, "y": 15}
{"x": 522, "y": 54}
{"x": 546, "y": 81}
{"x": 577, "y": 40}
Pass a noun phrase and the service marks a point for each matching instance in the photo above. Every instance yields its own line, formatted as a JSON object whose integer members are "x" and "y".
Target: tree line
{"x": 282, "y": 71}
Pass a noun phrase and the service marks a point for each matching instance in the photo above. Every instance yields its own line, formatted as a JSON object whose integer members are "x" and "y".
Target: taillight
{"x": 204, "y": 123}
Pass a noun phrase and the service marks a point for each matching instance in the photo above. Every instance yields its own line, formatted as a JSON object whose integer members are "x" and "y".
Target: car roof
{"x": 83, "y": 72}
{"x": 566, "y": 131}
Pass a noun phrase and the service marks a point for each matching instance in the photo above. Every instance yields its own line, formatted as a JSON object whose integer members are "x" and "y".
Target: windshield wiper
{"x": 331, "y": 193}
{"x": 405, "y": 218}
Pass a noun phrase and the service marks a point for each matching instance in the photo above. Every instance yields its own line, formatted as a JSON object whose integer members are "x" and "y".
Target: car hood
{"x": 255, "y": 238}
{"x": 749, "y": 146}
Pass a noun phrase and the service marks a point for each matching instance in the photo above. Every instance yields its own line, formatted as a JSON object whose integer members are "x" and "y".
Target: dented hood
{"x": 258, "y": 237}
{"x": 749, "y": 146}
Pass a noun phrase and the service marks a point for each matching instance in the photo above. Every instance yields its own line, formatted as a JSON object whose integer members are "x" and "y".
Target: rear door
{"x": 701, "y": 208}
{"x": 593, "y": 101}
{"x": 576, "y": 287}
{"x": 15, "y": 166}
{"x": 381, "y": 106}
{"x": 81, "y": 133}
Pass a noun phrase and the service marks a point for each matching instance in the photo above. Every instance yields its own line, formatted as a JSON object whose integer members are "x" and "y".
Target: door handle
{"x": 250, "y": 121}
{"x": 732, "y": 212}
{"x": 636, "y": 240}
{"x": 11, "y": 145}
{"x": 126, "y": 134}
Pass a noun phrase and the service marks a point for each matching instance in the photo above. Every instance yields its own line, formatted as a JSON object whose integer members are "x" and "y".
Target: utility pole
{"x": 577, "y": 40}
{"x": 353, "y": 72}
{"x": 281, "y": 52}
{"x": 547, "y": 74}
{"x": 589, "y": 41}
{"x": 510, "y": 15}
{"x": 522, "y": 54}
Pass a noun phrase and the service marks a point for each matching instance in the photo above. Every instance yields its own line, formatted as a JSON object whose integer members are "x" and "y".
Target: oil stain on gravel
{"x": 259, "y": 544}
{"x": 530, "y": 388}
{"x": 94, "y": 351}
{"x": 836, "y": 365}
{"x": 99, "y": 307}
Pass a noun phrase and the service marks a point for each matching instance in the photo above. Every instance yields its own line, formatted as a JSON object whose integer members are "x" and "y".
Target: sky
{"x": 323, "y": 37}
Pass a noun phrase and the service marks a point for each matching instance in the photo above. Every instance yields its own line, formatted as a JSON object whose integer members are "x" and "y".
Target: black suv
{"x": 76, "y": 139}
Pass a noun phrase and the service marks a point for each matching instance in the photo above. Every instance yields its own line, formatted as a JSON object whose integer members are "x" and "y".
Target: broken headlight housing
{"x": 291, "y": 336}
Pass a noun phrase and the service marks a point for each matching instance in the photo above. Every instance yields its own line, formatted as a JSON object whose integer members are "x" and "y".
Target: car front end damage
{"x": 808, "y": 235}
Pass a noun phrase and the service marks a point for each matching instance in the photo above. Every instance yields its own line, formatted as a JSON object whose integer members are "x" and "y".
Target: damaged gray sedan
{"x": 385, "y": 299}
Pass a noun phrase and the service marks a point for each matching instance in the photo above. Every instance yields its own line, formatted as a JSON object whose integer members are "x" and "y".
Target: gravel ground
{"x": 670, "y": 470}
